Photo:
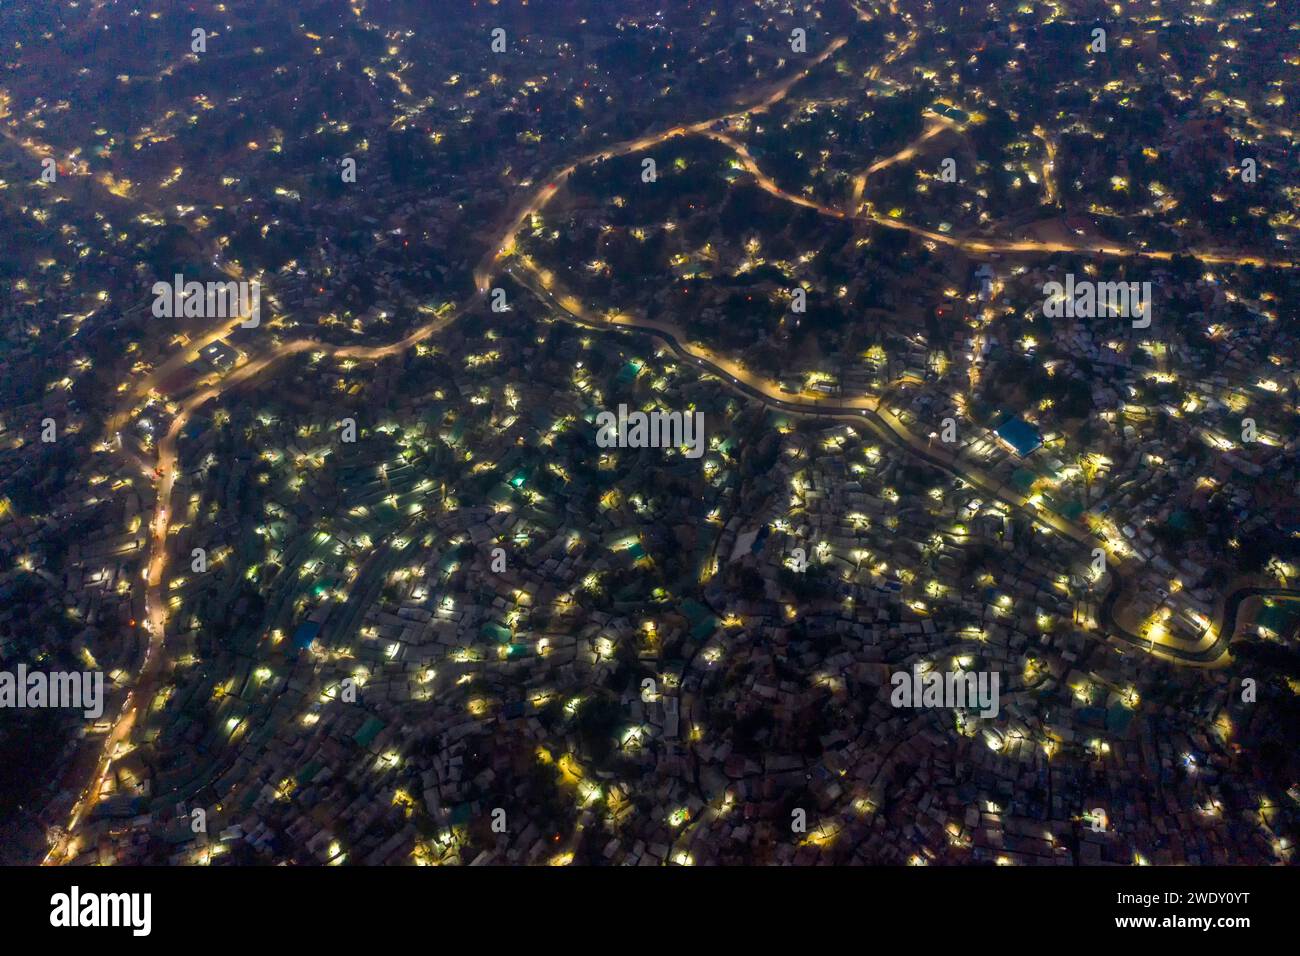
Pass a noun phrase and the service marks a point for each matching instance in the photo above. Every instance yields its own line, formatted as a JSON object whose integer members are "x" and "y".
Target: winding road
{"x": 866, "y": 411}
{"x": 885, "y": 425}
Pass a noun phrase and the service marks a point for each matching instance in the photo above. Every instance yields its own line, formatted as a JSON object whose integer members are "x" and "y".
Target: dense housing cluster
{"x": 368, "y": 589}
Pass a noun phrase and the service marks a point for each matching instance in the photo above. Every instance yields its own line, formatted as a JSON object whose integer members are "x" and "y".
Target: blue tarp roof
{"x": 305, "y": 634}
{"x": 1020, "y": 435}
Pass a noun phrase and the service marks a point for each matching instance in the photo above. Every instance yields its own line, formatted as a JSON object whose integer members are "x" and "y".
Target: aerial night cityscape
{"x": 592, "y": 433}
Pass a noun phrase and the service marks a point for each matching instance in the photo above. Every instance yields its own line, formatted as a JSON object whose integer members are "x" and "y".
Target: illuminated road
{"x": 937, "y": 126}
{"x": 1209, "y": 650}
{"x": 155, "y": 606}
{"x": 156, "y": 615}
{"x": 539, "y": 199}
{"x": 1050, "y": 196}
{"x": 985, "y": 246}
{"x": 865, "y": 411}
